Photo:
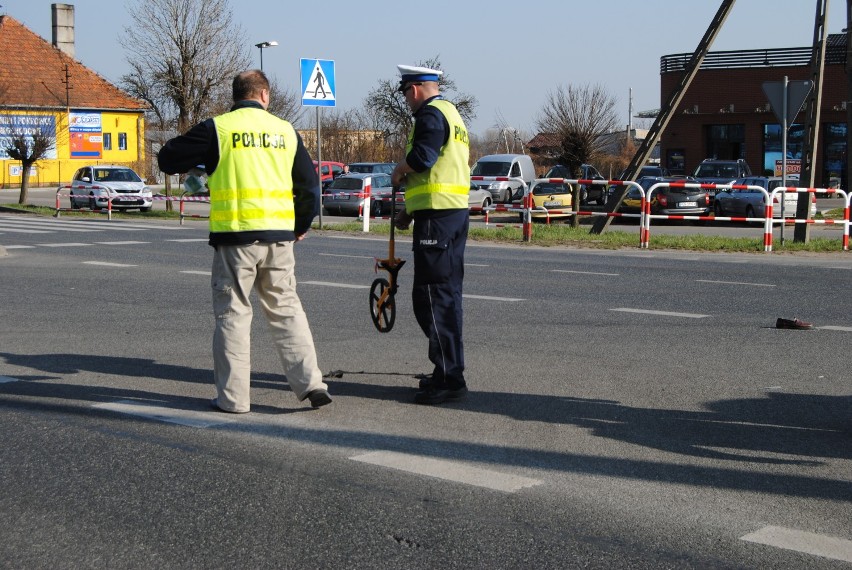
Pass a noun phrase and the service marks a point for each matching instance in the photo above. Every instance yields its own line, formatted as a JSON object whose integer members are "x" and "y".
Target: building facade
{"x": 725, "y": 114}
{"x": 44, "y": 90}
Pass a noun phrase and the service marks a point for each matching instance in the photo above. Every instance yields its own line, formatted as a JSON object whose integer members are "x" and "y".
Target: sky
{"x": 509, "y": 55}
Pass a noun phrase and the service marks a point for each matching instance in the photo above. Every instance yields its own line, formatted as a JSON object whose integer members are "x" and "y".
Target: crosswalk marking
{"x": 447, "y": 470}
{"x": 327, "y": 284}
{"x": 121, "y": 242}
{"x": 68, "y": 244}
{"x": 489, "y": 298}
{"x": 190, "y": 418}
{"x": 108, "y": 264}
{"x": 835, "y": 328}
{"x": 6, "y": 379}
{"x": 661, "y": 313}
{"x": 801, "y": 541}
{"x": 207, "y": 273}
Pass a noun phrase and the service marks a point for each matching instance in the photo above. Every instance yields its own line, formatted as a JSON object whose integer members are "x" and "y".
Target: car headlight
{"x": 495, "y": 186}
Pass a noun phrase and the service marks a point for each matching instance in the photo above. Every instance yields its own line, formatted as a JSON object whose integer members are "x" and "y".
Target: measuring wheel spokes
{"x": 382, "y": 305}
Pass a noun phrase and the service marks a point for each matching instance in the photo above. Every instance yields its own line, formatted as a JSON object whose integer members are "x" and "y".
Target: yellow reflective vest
{"x": 252, "y": 186}
{"x": 446, "y": 185}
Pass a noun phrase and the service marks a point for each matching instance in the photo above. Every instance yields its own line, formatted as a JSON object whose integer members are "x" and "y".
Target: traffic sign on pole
{"x": 318, "y": 85}
{"x": 797, "y": 92}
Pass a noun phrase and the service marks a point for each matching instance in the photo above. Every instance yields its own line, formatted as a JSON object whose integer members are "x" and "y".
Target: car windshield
{"x": 346, "y": 184}
{"x": 116, "y": 175}
{"x": 491, "y": 169}
{"x": 549, "y": 188}
{"x": 365, "y": 168}
{"x": 716, "y": 171}
{"x": 558, "y": 172}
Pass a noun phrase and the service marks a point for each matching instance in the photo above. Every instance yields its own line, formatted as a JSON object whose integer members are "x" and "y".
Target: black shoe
{"x": 319, "y": 398}
{"x": 425, "y": 381}
{"x": 433, "y": 395}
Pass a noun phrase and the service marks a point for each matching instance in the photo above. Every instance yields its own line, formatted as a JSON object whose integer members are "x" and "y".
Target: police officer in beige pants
{"x": 264, "y": 194}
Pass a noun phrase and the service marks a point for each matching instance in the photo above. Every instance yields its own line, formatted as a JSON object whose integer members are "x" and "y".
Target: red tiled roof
{"x": 32, "y": 74}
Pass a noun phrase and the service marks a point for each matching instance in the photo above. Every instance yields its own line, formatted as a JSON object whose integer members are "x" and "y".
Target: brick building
{"x": 725, "y": 114}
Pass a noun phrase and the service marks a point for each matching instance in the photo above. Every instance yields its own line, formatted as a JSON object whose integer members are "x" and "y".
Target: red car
{"x": 330, "y": 171}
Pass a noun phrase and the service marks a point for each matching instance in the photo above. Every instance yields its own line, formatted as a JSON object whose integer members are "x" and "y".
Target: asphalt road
{"x": 628, "y": 409}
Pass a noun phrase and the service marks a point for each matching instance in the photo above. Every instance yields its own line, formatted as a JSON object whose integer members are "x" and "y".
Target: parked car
{"x": 596, "y": 193}
{"x": 345, "y": 195}
{"x": 512, "y": 165}
{"x": 668, "y": 200}
{"x": 330, "y": 171}
{"x": 648, "y": 171}
{"x": 364, "y": 167}
{"x": 477, "y": 197}
{"x": 714, "y": 171}
{"x": 750, "y": 203}
{"x": 94, "y": 186}
{"x": 550, "y": 196}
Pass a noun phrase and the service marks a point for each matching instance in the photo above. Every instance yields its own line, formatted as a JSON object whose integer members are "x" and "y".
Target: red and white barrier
{"x": 813, "y": 192}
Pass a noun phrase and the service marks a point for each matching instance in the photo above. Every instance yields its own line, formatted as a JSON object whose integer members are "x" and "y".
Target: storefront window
{"x": 834, "y": 155}
{"x": 725, "y": 142}
{"x": 772, "y": 146}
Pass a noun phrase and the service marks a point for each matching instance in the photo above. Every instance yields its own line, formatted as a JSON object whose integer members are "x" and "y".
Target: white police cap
{"x": 410, "y": 73}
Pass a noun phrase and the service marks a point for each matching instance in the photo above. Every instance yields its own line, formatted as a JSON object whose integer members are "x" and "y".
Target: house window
{"x": 107, "y": 141}
{"x": 122, "y": 141}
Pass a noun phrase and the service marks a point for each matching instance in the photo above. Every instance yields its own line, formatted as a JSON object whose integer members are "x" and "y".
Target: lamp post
{"x": 262, "y": 45}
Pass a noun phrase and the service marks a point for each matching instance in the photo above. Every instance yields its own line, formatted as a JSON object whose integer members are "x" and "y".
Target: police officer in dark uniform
{"x": 436, "y": 176}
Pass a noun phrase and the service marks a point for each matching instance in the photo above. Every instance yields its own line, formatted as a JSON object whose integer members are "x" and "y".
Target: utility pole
{"x": 811, "y": 138}
{"x": 845, "y": 179}
{"x": 646, "y": 148}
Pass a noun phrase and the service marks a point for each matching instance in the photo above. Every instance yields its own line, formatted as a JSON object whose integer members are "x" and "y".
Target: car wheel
{"x": 75, "y": 205}
{"x": 604, "y": 198}
{"x": 375, "y": 208}
{"x": 486, "y": 202}
{"x": 93, "y": 204}
{"x": 148, "y": 209}
{"x": 717, "y": 210}
{"x": 506, "y": 196}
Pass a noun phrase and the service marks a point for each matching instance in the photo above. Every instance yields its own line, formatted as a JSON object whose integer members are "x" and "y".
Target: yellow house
{"x": 44, "y": 89}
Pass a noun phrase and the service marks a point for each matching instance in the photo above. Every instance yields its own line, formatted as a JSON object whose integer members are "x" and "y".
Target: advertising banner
{"x": 86, "y": 135}
{"x": 12, "y": 126}
{"x": 794, "y": 166}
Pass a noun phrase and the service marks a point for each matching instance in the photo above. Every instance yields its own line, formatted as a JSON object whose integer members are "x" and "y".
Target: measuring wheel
{"x": 382, "y": 305}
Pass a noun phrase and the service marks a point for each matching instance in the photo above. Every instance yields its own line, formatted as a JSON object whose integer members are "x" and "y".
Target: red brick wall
{"x": 715, "y": 89}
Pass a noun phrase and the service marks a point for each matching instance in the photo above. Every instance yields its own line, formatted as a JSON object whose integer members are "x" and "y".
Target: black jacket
{"x": 200, "y": 146}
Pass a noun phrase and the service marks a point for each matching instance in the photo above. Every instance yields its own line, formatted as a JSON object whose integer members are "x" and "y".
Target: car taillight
{"x": 662, "y": 200}
{"x": 776, "y": 200}
{"x": 813, "y": 198}
{"x": 707, "y": 199}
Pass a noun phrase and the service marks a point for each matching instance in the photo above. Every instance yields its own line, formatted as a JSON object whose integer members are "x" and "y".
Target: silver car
{"x": 345, "y": 196}
{"x": 478, "y": 197}
{"x": 94, "y": 186}
{"x": 749, "y": 203}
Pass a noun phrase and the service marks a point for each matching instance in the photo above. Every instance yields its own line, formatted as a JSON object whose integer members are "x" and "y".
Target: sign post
{"x": 786, "y": 99}
{"x": 318, "y": 90}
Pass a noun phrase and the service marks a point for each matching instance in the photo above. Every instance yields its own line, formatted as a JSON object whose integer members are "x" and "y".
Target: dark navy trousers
{"x": 440, "y": 237}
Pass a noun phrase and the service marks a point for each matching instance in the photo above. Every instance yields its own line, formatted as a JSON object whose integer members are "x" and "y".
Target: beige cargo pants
{"x": 269, "y": 268}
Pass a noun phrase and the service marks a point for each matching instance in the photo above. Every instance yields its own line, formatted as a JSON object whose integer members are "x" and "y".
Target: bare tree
{"x": 579, "y": 116}
{"x": 391, "y": 115}
{"x": 27, "y": 143}
{"x": 182, "y": 55}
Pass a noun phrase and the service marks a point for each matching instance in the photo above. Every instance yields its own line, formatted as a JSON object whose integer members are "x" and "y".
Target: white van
{"x": 511, "y": 165}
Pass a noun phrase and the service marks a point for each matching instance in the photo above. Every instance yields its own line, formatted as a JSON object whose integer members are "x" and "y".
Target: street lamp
{"x": 262, "y": 45}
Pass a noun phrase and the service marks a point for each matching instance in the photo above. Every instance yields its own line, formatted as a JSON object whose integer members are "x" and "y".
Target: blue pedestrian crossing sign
{"x": 318, "y": 85}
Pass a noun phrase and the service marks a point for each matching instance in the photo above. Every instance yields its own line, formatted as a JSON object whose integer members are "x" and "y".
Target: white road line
{"x": 735, "y": 283}
{"x": 108, "y": 264}
{"x": 207, "y": 273}
{"x": 487, "y": 298}
{"x": 43, "y": 227}
{"x": 476, "y": 265}
{"x": 188, "y": 240}
{"x": 349, "y": 256}
{"x": 447, "y": 470}
{"x": 19, "y": 246}
{"x": 327, "y": 284}
{"x": 584, "y": 272}
{"x": 190, "y": 418}
{"x": 7, "y": 379}
{"x": 662, "y": 313}
{"x": 801, "y": 541}
{"x": 121, "y": 242}
{"x": 63, "y": 244}
{"x": 22, "y": 231}
{"x": 827, "y": 327}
